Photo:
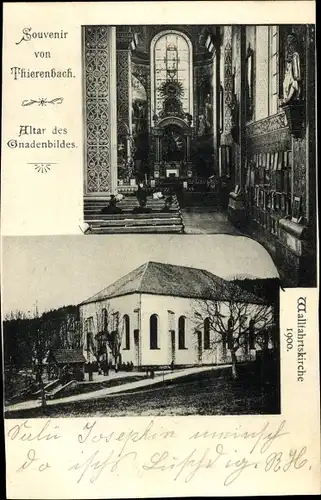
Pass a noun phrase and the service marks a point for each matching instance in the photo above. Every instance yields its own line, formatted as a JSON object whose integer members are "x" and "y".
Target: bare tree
{"x": 108, "y": 337}
{"x": 70, "y": 332}
{"x": 237, "y": 320}
{"x": 114, "y": 338}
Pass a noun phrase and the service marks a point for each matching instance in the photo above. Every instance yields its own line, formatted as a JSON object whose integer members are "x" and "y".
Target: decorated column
{"x": 100, "y": 162}
{"x": 125, "y": 43}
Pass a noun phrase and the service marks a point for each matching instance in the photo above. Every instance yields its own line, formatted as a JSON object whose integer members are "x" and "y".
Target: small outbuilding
{"x": 67, "y": 364}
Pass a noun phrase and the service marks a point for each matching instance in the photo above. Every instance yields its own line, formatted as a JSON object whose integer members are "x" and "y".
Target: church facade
{"x": 196, "y": 108}
{"x": 161, "y": 316}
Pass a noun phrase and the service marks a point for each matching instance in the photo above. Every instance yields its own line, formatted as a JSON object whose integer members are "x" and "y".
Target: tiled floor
{"x": 207, "y": 220}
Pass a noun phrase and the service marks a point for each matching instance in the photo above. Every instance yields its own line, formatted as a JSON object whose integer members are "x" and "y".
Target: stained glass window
{"x": 172, "y": 64}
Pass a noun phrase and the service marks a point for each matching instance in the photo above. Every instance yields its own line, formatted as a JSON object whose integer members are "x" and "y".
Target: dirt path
{"x": 109, "y": 391}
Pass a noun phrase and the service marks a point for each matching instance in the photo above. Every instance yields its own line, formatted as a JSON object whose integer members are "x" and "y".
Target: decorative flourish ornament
{"x": 42, "y": 101}
{"x": 42, "y": 168}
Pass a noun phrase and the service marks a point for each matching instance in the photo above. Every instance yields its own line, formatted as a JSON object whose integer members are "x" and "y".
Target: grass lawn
{"x": 207, "y": 393}
{"x": 84, "y": 387}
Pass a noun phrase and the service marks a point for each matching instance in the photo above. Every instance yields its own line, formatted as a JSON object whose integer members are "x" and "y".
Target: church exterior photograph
{"x": 176, "y": 329}
{"x": 165, "y": 316}
{"x": 203, "y": 129}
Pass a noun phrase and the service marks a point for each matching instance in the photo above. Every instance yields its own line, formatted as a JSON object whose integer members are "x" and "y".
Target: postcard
{"x": 159, "y": 325}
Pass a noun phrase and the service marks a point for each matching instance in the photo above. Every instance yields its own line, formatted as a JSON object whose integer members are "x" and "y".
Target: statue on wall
{"x": 139, "y": 116}
{"x": 208, "y": 110}
{"x": 205, "y": 102}
{"x": 139, "y": 107}
{"x": 292, "y": 76}
{"x": 249, "y": 84}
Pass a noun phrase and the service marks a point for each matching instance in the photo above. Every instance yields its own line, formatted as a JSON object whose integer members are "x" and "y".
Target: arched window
{"x": 207, "y": 333}
{"x": 181, "y": 332}
{"x": 171, "y": 72}
{"x": 127, "y": 331}
{"x": 89, "y": 336}
{"x": 153, "y": 331}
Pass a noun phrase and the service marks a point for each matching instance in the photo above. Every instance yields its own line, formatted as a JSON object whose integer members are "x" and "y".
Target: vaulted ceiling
{"x": 198, "y": 34}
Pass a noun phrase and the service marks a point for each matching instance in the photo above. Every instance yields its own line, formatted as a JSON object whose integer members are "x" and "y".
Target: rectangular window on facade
{"x": 89, "y": 340}
{"x": 207, "y": 343}
{"x": 126, "y": 327}
{"x": 89, "y": 328}
{"x": 104, "y": 320}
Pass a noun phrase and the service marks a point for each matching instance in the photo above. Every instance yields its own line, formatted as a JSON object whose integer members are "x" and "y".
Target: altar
{"x": 171, "y": 138}
{"x": 151, "y": 120}
{"x": 172, "y": 170}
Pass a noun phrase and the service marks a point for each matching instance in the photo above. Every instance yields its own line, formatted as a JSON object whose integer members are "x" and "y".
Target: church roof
{"x": 178, "y": 281}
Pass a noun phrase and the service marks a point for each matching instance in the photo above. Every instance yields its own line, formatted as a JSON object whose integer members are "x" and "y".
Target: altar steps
{"x": 128, "y": 221}
{"x": 147, "y": 229}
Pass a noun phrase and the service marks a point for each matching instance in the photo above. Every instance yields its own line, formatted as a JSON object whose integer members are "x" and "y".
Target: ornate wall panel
{"x": 299, "y": 171}
{"x": 96, "y": 88}
{"x": 123, "y": 69}
{"x": 236, "y": 68}
{"x": 299, "y": 145}
{"x": 203, "y": 85}
{"x": 269, "y": 124}
{"x": 228, "y": 77}
{"x": 268, "y": 135}
{"x": 278, "y": 140}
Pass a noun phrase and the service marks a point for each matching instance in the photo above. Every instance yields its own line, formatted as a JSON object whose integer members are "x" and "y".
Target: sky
{"x": 53, "y": 271}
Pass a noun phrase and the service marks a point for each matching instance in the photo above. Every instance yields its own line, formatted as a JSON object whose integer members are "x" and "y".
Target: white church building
{"x": 159, "y": 312}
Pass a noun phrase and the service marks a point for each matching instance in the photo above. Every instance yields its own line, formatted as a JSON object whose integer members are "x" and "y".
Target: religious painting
{"x": 173, "y": 144}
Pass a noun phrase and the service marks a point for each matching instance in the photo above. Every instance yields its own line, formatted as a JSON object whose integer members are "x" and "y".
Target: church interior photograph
{"x": 203, "y": 129}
